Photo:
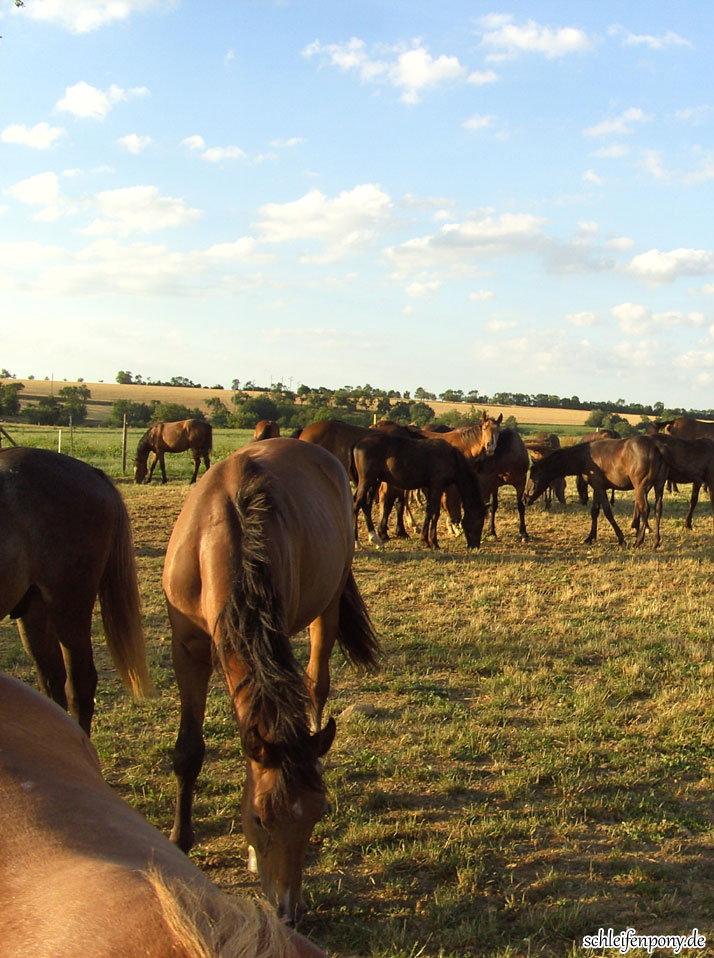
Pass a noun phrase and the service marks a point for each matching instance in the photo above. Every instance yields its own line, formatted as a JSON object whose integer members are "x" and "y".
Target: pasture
{"x": 541, "y": 760}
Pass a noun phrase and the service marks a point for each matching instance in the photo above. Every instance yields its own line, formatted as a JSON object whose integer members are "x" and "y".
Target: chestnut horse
{"x": 634, "y": 463}
{"x": 82, "y": 873}
{"x": 428, "y": 464}
{"x": 263, "y": 548}
{"x": 192, "y": 434}
{"x": 474, "y": 439}
{"x": 66, "y": 538}
{"x": 266, "y": 429}
{"x": 689, "y": 460}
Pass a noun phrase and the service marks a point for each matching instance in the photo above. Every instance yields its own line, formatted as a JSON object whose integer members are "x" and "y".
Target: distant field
{"x": 104, "y": 394}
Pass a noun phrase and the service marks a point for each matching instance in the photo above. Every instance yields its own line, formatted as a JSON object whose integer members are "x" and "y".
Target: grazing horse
{"x": 507, "y": 466}
{"x": 263, "y": 548}
{"x": 540, "y": 446}
{"x": 192, "y": 434}
{"x": 65, "y": 539}
{"x": 266, "y": 429}
{"x": 428, "y": 464}
{"x": 634, "y": 463}
{"x": 82, "y": 873}
{"x": 689, "y": 460}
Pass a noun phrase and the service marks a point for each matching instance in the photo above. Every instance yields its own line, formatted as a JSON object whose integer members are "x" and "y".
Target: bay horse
{"x": 507, "y": 466}
{"x": 689, "y": 460}
{"x": 266, "y": 429}
{"x": 263, "y": 548}
{"x": 581, "y": 483}
{"x": 428, "y": 464}
{"x": 542, "y": 445}
{"x": 192, "y": 434}
{"x": 684, "y": 427}
{"x": 65, "y": 539}
{"x": 634, "y": 463}
{"x": 82, "y": 873}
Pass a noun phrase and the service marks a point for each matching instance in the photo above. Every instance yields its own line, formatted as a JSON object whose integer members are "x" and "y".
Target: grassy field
{"x": 541, "y": 762}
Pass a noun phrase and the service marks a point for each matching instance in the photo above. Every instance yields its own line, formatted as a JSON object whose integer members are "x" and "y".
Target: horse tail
{"x": 252, "y": 624}
{"x": 295, "y": 434}
{"x": 206, "y": 923}
{"x": 209, "y": 437}
{"x": 356, "y": 634}
{"x": 121, "y": 607}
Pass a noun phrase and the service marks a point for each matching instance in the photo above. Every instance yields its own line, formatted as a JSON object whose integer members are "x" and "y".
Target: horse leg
{"x": 659, "y": 497}
{"x": 693, "y": 503}
{"x": 606, "y": 508}
{"x": 642, "y": 509}
{"x": 362, "y": 502}
{"x": 193, "y": 672}
{"x": 523, "y": 532}
{"x": 492, "y": 514}
{"x": 388, "y": 500}
{"x": 43, "y": 648}
{"x": 196, "y": 464}
{"x": 433, "y": 507}
{"x": 150, "y": 473}
{"x": 162, "y": 463}
{"x": 73, "y": 628}
{"x": 400, "y": 532}
{"x": 323, "y": 634}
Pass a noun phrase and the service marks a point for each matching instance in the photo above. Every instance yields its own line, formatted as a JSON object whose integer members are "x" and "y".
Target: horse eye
{"x": 258, "y": 821}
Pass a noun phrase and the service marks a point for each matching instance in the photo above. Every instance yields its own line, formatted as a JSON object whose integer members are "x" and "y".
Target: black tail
{"x": 356, "y": 635}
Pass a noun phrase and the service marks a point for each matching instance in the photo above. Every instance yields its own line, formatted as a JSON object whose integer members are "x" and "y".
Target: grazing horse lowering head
{"x": 140, "y": 470}
{"x": 280, "y": 808}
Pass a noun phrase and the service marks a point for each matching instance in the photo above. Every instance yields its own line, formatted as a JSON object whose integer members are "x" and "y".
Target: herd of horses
{"x": 261, "y": 550}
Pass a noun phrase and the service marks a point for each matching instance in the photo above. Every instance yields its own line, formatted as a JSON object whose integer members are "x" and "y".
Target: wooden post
{"x": 59, "y": 440}
{"x": 71, "y": 437}
{"x": 123, "y": 446}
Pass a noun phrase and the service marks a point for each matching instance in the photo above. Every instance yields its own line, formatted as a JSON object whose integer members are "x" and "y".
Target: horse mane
{"x": 466, "y": 482}
{"x": 207, "y": 923}
{"x": 144, "y": 447}
{"x": 252, "y": 627}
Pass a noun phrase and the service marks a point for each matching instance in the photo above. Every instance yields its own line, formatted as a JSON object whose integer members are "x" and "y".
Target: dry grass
{"x": 542, "y": 758}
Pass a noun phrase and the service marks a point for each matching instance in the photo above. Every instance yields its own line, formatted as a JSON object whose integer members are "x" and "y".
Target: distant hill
{"x": 104, "y": 394}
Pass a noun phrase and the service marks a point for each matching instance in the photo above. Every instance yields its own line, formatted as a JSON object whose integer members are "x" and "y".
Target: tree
{"x": 420, "y": 393}
{"x": 137, "y": 413}
{"x": 220, "y": 414}
{"x": 124, "y": 377}
{"x": 174, "y": 412}
{"x": 10, "y": 398}
{"x": 420, "y": 413}
{"x": 73, "y": 401}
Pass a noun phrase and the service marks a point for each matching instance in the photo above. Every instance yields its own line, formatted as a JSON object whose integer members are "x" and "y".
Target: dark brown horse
{"x": 581, "y": 483}
{"x": 540, "y": 446}
{"x": 192, "y": 434}
{"x": 66, "y": 539}
{"x": 82, "y": 873}
{"x": 263, "y": 548}
{"x": 687, "y": 428}
{"x": 266, "y": 429}
{"x": 428, "y": 464}
{"x": 634, "y": 463}
{"x": 507, "y": 466}
{"x": 689, "y": 460}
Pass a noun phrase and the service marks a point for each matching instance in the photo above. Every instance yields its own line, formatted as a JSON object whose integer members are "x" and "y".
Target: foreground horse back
{"x": 82, "y": 873}
{"x": 66, "y": 539}
{"x": 262, "y": 549}
{"x": 193, "y": 435}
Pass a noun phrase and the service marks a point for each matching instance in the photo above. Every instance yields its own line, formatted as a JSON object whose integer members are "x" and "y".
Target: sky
{"x": 452, "y": 195}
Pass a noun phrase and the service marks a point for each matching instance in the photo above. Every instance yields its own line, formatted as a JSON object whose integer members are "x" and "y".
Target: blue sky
{"x": 453, "y": 195}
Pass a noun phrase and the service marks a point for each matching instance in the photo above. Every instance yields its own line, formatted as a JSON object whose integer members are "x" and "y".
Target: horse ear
{"x": 500, "y": 418}
{"x": 322, "y": 740}
{"x": 258, "y": 750}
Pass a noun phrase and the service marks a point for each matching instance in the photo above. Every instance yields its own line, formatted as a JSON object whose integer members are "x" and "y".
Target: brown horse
{"x": 508, "y": 466}
{"x": 66, "y": 538}
{"x": 82, "y": 873}
{"x": 428, "y": 464}
{"x": 581, "y": 483}
{"x": 634, "y": 463}
{"x": 263, "y": 548}
{"x": 540, "y": 446}
{"x": 192, "y": 434}
{"x": 689, "y": 460}
{"x": 266, "y": 429}
{"x": 474, "y": 439}
{"x": 687, "y": 428}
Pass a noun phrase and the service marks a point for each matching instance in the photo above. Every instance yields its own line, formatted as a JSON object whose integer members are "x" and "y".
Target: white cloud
{"x": 652, "y": 162}
{"x": 590, "y": 176}
{"x": 478, "y": 122}
{"x": 482, "y": 77}
{"x": 583, "y": 320}
{"x": 288, "y": 143}
{"x": 138, "y": 209}
{"x": 620, "y": 243}
{"x": 42, "y": 136}
{"x": 84, "y": 100}
{"x": 481, "y": 295}
{"x": 39, "y": 190}
{"x": 621, "y": 124}
{"x": 508, "y": 39}
{"x": 346, "y": 222}
{"x": 614, "y": 152}
{"x": 637, "y": 320}
{"x": 658, "y": 267}
{"x": 134, "y": 143}
{"x": 212, "y": 154}
{"x": 411, "y": 70}
{"x": 423, "y": 290}
{"x": 83, "y": 16}
{"x": 668, "y": 39}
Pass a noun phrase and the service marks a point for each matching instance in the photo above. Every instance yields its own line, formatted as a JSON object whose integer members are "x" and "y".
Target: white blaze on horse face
{"x": 252, "y": 861}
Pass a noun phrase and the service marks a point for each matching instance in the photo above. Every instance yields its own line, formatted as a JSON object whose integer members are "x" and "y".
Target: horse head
{"x": 140, "y": 470}
{"x": 283, "y": 800}
{"x": 537, "y": 482}
{"x": 490, "y": 431}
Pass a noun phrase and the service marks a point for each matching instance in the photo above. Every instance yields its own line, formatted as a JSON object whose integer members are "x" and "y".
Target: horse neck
{"x": 145, "y": 446}
{"x": 566, "y": 461}
{"x": 466, "y": 482}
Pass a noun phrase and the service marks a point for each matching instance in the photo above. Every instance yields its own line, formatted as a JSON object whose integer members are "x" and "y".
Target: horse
{"x": 685, "y": 427}
{"x": 266, "y": 429}
{"x": 507, "y": 466}
{"x": 428, "y": 464}
{"x": 634, "y": 463}
{"x": 261, "y": 549}
{"x": 689, "y": 460}
{"x": 581, "y": 483}
{"x": 82, "y": 873}
{"x": 192, "y": 434}
{"x": 542, "y": 445}
{"x": 65, "y": 539}
{"x": 474, "y": 439}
